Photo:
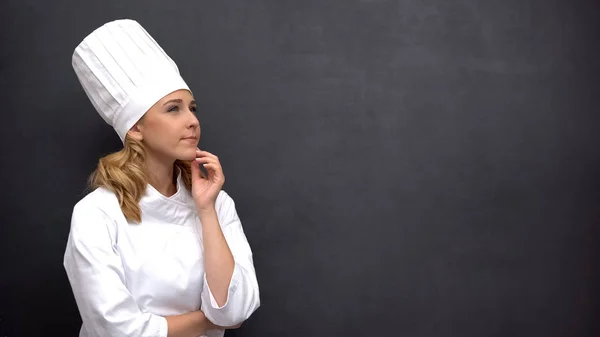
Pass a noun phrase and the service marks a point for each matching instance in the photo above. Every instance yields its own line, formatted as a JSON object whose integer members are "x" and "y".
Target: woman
{"x": 157, "y": 248}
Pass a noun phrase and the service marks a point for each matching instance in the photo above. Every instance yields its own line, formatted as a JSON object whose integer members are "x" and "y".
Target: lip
{"x": 192, "y": 138}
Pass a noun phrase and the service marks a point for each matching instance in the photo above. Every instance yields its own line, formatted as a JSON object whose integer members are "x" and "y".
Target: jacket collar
{"x": 176, "y": 209}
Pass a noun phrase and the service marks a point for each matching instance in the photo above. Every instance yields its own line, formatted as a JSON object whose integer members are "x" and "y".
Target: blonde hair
{"x": 124, "y": 174}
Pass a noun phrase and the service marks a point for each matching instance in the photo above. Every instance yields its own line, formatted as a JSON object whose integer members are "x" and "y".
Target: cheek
{"x": 160, "y": 128}
{"x": 158, "y": 134}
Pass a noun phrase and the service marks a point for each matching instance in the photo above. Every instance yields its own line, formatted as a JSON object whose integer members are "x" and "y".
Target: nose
{"x": 193, "y": 120}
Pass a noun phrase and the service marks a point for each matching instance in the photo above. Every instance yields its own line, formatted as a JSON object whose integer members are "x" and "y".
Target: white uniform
{"x": 126, "y": 277}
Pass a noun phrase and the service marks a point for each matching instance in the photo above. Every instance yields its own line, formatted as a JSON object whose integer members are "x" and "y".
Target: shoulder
{"x": 99, "y": 200}
{"x": 94, "y": 224}
{"x": 99, "y": 210}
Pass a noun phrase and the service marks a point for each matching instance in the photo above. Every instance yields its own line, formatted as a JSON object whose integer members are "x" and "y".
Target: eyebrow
{"x": 178, "y": 100}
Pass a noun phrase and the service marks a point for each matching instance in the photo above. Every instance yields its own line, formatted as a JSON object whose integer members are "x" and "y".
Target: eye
{"x": 193, "y": 109}
{"x": 173, "y": 108}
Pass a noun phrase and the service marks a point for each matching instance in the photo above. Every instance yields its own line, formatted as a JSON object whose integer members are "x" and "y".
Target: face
{"x": 170, "y": 129}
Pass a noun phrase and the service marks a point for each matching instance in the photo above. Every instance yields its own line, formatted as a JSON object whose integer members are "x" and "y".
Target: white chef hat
{"x": 124, "y": 72}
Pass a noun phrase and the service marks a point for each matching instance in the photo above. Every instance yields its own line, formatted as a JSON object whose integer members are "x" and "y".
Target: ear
{"x": 135, "y": 132}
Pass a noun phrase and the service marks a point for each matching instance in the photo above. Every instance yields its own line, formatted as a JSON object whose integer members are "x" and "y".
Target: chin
{"x": 186, "y": 155}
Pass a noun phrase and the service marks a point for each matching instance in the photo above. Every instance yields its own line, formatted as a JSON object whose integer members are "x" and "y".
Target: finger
{"x": 214, "y": 168}
{"x": 197, "y": 174}
{"x": 214, "y": 173}
{"x": 208, "y": 160}
{"x": 201, "y": 153}
{"x": 213, "y": 158}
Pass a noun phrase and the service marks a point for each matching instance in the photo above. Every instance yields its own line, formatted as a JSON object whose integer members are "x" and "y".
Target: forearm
{"x": 218, "y": 260}
{"x": 192, "y": 324}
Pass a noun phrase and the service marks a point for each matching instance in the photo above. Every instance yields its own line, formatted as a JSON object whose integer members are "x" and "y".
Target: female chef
{"x": 157, "y": 248}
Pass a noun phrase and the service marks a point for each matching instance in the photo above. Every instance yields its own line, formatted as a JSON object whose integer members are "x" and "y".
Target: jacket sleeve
{"x": 243, "y": 296}
{"x": 95, "y": 272}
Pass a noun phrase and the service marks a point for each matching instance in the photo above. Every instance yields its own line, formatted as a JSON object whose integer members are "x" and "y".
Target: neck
{"x": 160, "y": 176}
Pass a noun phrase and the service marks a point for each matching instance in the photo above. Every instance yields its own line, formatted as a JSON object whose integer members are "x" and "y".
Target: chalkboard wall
{"x": 401, "y": 168}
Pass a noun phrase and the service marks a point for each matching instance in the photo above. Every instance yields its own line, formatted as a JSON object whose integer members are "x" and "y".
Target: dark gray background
{"x": 401, "y": 168}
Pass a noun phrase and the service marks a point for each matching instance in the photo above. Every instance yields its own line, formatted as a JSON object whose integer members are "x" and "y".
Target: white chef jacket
{"x": 126, "y": 277}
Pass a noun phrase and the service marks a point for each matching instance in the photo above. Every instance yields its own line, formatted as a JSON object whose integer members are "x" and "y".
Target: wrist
{"x": 206, "y": 212}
